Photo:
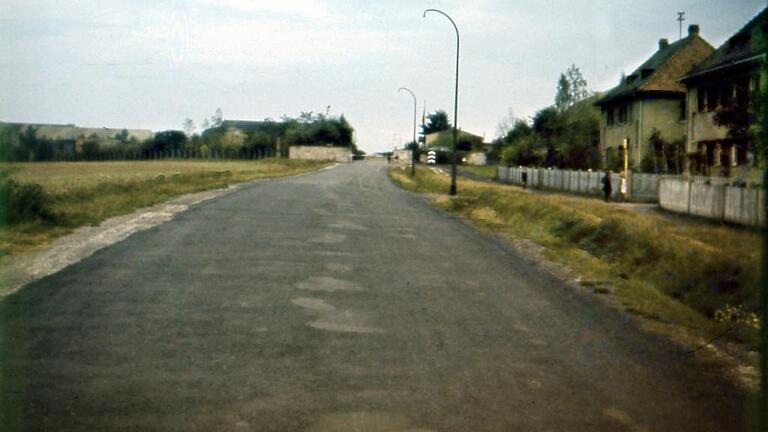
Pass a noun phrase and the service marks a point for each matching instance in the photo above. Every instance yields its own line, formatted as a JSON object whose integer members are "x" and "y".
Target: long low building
{"x": 64, "y": 132}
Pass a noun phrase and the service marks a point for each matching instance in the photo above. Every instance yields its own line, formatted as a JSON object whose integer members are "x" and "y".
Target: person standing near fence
{"x": 607, "y": 189}
{"x": 525, "y": 179}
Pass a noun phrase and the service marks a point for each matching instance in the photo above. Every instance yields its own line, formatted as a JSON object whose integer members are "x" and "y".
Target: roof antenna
{"x": 680, "y": 19}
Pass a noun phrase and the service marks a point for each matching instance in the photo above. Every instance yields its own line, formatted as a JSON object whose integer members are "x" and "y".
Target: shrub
{"x": 23, "y": 203}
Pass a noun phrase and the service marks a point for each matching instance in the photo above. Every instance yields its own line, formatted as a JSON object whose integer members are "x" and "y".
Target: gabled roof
{"x": 745, "y": 46}
{"x": 436, "y": 135}
{"x": 662, "y": 71}
{"x": 245, "y": 125}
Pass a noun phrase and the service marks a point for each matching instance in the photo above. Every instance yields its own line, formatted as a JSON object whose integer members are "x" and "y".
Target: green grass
{"x": 489, "y": 172}
{"x": 682, "y": 273}
{"x": 86, "y": 193}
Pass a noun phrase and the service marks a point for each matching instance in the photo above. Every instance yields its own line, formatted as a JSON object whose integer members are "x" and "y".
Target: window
{"x": 741, "y": 92}
{"x": 726, "y": 95}
{"x": 712, "y": 97}
{"x": 624, "y": 114}
{"x": 609, "y": 116}
{"x": 700, "y": 100}
{"x": 683, "y": 109}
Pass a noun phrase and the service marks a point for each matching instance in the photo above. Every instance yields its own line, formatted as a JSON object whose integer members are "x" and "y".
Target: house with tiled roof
{"x": 720, "y": 93}
{"x": 650, "y": 99}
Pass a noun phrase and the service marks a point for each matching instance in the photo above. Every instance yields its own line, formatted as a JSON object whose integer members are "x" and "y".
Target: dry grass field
{"x": 72, "y": 194}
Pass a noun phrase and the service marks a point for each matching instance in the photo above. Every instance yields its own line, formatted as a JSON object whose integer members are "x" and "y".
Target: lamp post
{"x": 416, "y": 145}
{"x": 455, "y": 101}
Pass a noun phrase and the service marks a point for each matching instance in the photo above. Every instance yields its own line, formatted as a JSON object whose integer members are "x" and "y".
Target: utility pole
{"x": 680, "y": 19}
{"x": 452, "y": 190}
{"x": 424, "y": 124}
{"x": 416, "y": 144}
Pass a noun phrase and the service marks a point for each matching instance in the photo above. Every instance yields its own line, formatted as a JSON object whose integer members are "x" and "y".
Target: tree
{"x": 571, "y": 88}
{"x": 165, "y": 141}
{"x": 90, "y": 147}
{"x": 523, "y": 152}
{"x": 413, "y": 146}
{"x": 579, "y": 89}
{"x": 520, "y": 128}
{"x": 506, "y": 124}
{"x": 9, "y": 137}
{"x": 217, "y": 118}
{"x": 578, "y": 144}
{"x": 122, "y": 136}
{"x": 436, "y": 122}
{"x": 548, "y": 125}
{"x": 346, "y": 133}
{"x": 189, "y": 126}
{"x": 563, "y": 95}
{"x": 738, "y": 119}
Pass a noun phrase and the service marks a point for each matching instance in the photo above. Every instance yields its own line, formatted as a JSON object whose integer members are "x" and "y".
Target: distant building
{"x": 651, "y": 97}
{"x": 235, "y": 132}
{"x": 723, "y": 86}
{"x": 70, "y": 132}
{"x": 443, "y": 140}
{"x": 68, "y": 138}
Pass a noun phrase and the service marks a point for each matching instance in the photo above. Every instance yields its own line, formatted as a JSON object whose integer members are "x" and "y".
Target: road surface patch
{"x": 338, "y": 268}
{"x": 313, "y": 304}
{"x": 327, "y": 284}
{"x": 329, "y": 238}
{"x": 348, "y": 225}
{"x": 365, "y": 421}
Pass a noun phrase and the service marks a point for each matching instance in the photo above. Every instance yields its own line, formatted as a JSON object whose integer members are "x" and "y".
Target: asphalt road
{"x": 334, "y": 302}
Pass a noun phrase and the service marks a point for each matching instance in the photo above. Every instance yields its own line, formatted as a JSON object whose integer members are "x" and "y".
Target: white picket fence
{"x": 640, "y": 187}
{"x": 740, "y": 205}
{"x": 710, "y": 197}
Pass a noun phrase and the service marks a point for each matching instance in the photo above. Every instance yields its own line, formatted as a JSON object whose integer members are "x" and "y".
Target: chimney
{"x": 693, "y": 29}
{"x": 663, "y": 43}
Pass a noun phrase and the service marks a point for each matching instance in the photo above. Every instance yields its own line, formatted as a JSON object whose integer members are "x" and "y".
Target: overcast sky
{"x": 152, "y": 63}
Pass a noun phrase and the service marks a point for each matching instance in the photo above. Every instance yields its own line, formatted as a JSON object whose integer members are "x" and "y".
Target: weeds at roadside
{"x": 662, "y": 270}
{"x": 42, "y": 201}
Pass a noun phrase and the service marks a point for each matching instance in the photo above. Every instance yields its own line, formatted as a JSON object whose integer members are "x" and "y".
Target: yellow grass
{"x": 82, "y": 193}
{"x": 57, "y": 177}
{"x": 668, "y": 268}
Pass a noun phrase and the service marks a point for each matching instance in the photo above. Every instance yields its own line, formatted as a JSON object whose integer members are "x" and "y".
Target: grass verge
{"x": 488, "y": 172}
{"x": 695, "y": 274}
{"x": 42, "y": 201}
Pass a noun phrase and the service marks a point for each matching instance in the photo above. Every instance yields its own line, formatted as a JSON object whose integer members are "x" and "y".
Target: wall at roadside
{"x": 577, "y": 182}
{"x": 710, "y": 197}
{"x": 336, "y": 154}
{"x": 401, "y": 157}
{"x": 740, "y": 205}
{"x": 477, "y": 158}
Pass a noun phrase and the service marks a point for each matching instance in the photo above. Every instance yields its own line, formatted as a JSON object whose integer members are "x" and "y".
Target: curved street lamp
{"x": 455, "y": 101}
{"x": 413, "y": 151}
